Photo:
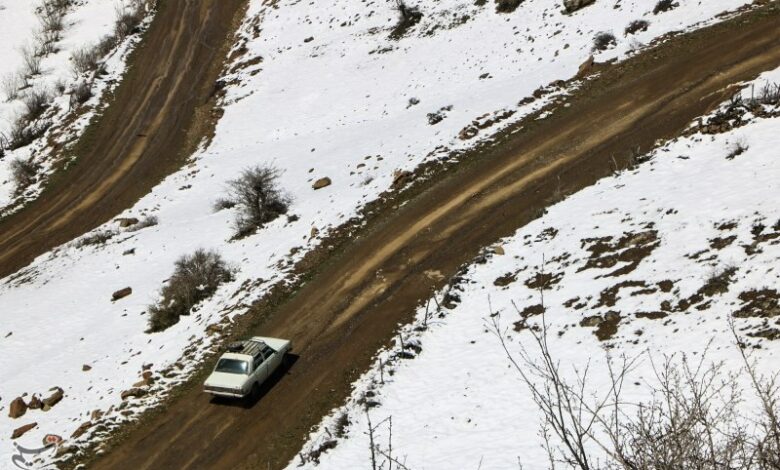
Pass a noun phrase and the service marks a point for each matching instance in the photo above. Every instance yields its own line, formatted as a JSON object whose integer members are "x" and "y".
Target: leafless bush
{"x": 10, "y": 84}
{"x": 32, "y": 62}
{"x": 128, "y": 20}
{"x": 23, "y": 173}
{"x": 694, "y": 420}
{"x": 148, "y": 221}
{"x": 258, "y": 197}
{"x": 24, "y": 133}
{"x": 195, "y": 278}
{"x": 35, "y": 103}
{"x": 408, "y": 17}
{"x": 80, "y": 94}
{"x": 98, "y": 238}
{"x": 637, "y": 26}
{"x": 603, "y": 41}
{"x": 46, "y": 43}
{"x": 769, "y": 94}
{"x": 84, "y": 60}
{"x": 664, "y": 5}
{"x": 51, "y": 15}
{"x": 737, "y": 148}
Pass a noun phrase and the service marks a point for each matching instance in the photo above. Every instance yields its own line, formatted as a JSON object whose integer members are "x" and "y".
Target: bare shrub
{"x": 603, "y": 41}
{"x": 769, "y": 95}
{"x": 258, "y": 197}
{"x": 51, "y": 15}
{"x": 84, "y": 60}
{"x": 694, "y": 418}
{"x": 148, "y": 221}
{"x": 127, "y": 21}
{"x": 10, "y": 85}
{"x": 195, "y": 278}
{"x": 23, "y": 173}
{"x": 737, "y": 148}
{"x": 80, "y": 94}
{"x": 98, "y": 238}
{"x": 408, "y": 17}
{"x": 636, "y": 26}
{"x": 24, "y": 133}
{"x": 664, "y": 5}
{"x": 35, "y": 103}
{"x": 32, "y": 62}
{"x": 46, "y": 43}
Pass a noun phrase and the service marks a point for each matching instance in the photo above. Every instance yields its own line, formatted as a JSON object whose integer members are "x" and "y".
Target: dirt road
{"x": 142, "y": 136}
{"x": 352, "y": 305}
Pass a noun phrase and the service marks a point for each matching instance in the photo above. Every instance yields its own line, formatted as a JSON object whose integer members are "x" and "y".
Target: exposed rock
{"x": 574, "y": 5}
{"x": 17, "y": 408}
{"x": 214, "y": 328}
{"x": 86, "y": 367}
{"x": 127, "y": 222}
{"x": 499, "y": 250}
{"x": 54, "y": 398}
{"x": 401, "y": 178}
{"x": 591, "y": 321}
{"x": 81, "y": 430}
{"x": 135, "y": 392}
{"x": 121, "y": 294}
{"x": 19, "y": 432}
{"x": 586, "y": 67}
{"x": 35, "y": 403}
{"x": 321, "y": 183}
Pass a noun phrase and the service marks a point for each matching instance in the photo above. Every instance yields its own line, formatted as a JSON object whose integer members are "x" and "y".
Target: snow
{"x": 336, "y": 106}
{"x": 461, "y": 394}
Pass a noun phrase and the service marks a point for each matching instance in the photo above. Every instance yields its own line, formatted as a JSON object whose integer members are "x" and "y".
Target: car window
{"x": 232, "y": 366}
{"x": 268, "y": 352}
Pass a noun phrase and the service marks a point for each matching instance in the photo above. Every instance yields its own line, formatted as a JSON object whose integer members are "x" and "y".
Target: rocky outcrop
{"x": 53, "y": 399}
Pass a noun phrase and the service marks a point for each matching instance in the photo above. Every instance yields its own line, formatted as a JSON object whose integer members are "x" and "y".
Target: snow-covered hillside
{"x": 36, "y": 58}
{"x": 316, "y": 91}
{"x": 651, "y": 262}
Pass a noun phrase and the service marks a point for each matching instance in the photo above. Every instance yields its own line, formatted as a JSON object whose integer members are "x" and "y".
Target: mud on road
{"x": 144, "y": 135}
{"x": 352, "y": 305}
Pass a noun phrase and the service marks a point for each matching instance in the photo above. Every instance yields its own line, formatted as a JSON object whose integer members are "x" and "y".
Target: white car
{"x": 245, "y": 366}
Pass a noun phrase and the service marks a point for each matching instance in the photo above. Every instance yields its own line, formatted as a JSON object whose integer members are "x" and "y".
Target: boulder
{"x": 86, "y": 368}
{"x": 81, "y": 430}
{"x": 35, "y": 403}
{"x": 121, "y": 294}
{"x": 591, "y": 321}
{"x": 401, "y": 178}
{"x": 322, "y": 183}
{"x": 19, "y": 432}
{"x": 53, "y": 399}
{"x": 574, "y": 5}
{"x": 17, "y": 408}
{"x": 134, "y": 392}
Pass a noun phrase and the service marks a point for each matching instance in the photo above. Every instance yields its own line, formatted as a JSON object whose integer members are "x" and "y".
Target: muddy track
{"x": 347, "y": 310}
{"x": 141, "y": 137}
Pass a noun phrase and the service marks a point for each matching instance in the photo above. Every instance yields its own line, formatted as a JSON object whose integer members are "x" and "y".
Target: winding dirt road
{"x": 142, "y": 136}
{"x": 351, "y": 306}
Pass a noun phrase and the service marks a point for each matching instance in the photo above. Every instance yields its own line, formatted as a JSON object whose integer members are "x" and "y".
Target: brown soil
{"x": 352, "y": 304}
{"x": 144, "y": 135}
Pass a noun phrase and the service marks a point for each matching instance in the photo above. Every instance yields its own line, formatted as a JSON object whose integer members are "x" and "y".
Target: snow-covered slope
{"x": 653, "y": 261}
{"x": 84, "y": 24}
{"x": 319, "y": 91}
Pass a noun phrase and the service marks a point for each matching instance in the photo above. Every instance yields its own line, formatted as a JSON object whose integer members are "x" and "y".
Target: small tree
{"x": 23, "y": 173}
{"x": 258, "y": 198}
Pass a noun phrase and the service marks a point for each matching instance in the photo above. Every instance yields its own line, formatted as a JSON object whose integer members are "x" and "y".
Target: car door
{"x": 272, "y": 359}
{"x": 260, "y": 371}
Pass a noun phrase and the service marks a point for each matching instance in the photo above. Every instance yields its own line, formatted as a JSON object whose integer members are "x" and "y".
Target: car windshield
{"x": 232, "y": 366}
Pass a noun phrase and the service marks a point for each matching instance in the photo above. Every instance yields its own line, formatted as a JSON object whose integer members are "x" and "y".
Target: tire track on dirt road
{"x": 142, "y": 136}
{"x": 350, "y": 308}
